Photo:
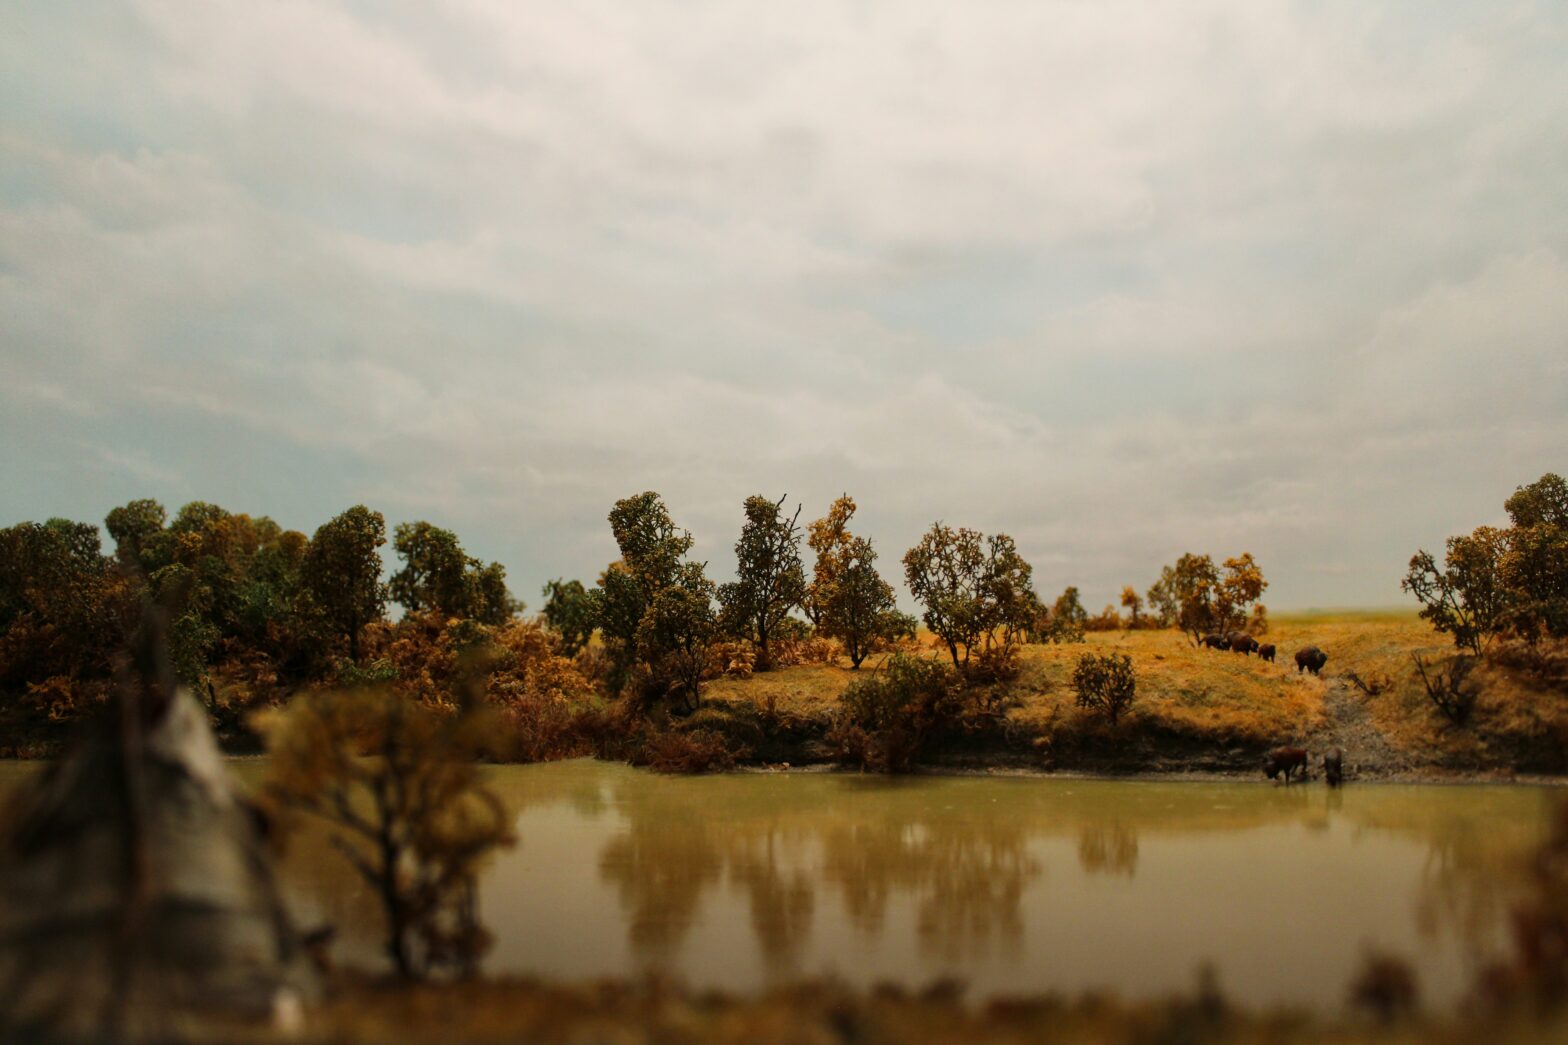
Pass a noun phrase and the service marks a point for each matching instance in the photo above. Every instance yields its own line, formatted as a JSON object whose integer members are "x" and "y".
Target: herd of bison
{"x": 1284, "y": 761}
{"x": 1308, "y": 658}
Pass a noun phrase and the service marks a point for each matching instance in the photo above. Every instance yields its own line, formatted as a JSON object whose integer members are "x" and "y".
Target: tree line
{"x": 255, "y": 606}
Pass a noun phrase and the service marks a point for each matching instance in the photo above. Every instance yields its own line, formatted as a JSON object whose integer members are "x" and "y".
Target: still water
{"x": 1009, "y": 884}
{"x": 1012, "y": 885}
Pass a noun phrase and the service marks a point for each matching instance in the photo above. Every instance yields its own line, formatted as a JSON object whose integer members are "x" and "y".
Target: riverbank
{"x": 365, "y": 1010}
{"x": 1198, "y": 711}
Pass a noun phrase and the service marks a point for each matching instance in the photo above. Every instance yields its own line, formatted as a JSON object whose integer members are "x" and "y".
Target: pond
{"x": 1012, "y": 885}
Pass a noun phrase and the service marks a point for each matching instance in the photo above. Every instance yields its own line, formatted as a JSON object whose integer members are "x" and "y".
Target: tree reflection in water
{"x": 1014, "y": 884}
{"x": 1108, "y": 849}
{"x": 660, "y": 868}
{"x": 966, "y": 877}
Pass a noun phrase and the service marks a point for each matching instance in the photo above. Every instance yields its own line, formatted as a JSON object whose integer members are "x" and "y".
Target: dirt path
{"x": 1349, "y": 728}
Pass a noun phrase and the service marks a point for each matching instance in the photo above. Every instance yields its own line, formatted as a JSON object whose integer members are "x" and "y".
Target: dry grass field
{"x": 1210, "y": 709}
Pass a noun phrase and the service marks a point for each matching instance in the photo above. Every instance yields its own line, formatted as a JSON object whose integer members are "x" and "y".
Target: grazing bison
{"x": 1241, "y": 642}
{"x": 1311, "y": 659}
{"x": 1285, "y": 760}
{"x": 1334, "y": 767}
{"x": 1266, "y": 652}
{"x": 1216, "y": 641}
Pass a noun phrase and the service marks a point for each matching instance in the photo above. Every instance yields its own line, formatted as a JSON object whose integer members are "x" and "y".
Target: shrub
{"x": 1448, "y": 690}
{"x": 541, "y": 728}
{"x": 809, "y": 649}
{"x": 885, "y": 719}
{"x": 734, "y": 658}
{"x": 1106, "y": 620}
{"x": 1105, "y": 683}
{"x": 686, "y": 751}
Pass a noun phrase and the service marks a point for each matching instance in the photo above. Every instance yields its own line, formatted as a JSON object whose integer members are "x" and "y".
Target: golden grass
{"x": 1227, "y": 700}
{"x": 1224, "y": 698}
{"x": 804, "y": 689}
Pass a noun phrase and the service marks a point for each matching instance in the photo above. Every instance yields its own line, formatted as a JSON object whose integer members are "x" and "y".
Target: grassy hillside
{"x": 1206, "y": 709}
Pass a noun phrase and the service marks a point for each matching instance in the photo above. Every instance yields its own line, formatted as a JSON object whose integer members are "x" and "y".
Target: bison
{"x": 1266, "y": 652}
{"x": 1285, "y": 760}
{"x": 1310, "y": 659}
{"x": 1216, "y": 641}
{"x": 1241, "y": 642}
{"x": 1334, "y": 767}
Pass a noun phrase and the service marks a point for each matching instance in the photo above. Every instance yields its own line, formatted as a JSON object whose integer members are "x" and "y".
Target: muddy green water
{"x": 1013, "y": 885}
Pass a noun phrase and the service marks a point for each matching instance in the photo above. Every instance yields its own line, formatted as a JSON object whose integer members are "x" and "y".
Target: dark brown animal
{"x": 1241, "y": 642}
{"x": 1216, "y": 641}
{"x": 1310, "y": 659}
{"x": 1285, "y": 760}
{"x": 1334, "y": 767}
{"x": 1266, "y": 652}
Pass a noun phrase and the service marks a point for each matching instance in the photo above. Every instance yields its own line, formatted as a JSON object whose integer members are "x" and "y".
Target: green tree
{"x": 489, "y": 600}
{"x": 1535, "y": 566}
{"x": 1469, "y": 598}
{"x": 64, "y": 608}
{"x": 1163, "y": 603}
{"x": 975, "y": 590}
{"x": 342, "y": 572}
{"x": 668, "y": 637}
{"x": 437, "y": 575}
{"x": 134, "y": 526}
{"x": 232, "y": 581}
{"x": 1535, "y": 570}
{"x": 1542, "y": 503}
{"x": 769, "y": 577}
{"x": 434, "y": 566}
{"x": 652, "y": 548}
{"x": 675, "y": 635}
{"x": 569, "y": 608}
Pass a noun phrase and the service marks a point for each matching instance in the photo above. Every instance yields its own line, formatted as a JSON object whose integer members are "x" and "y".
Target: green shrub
{"x": 886, "y": 718}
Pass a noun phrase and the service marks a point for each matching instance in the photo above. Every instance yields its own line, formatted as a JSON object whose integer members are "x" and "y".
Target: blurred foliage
{"x": 569, "y": 609}
{"x": 398, "y": 785}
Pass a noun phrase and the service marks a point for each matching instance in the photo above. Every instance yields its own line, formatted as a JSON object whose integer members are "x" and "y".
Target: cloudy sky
{"x": 1120, "y": 279}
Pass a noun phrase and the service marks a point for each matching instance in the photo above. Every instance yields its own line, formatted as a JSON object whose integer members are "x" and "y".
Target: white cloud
{"x": 1121, "y": 280}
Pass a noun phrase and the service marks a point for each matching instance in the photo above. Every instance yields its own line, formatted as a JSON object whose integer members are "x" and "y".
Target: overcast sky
{"x": 1120, "y": 279}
